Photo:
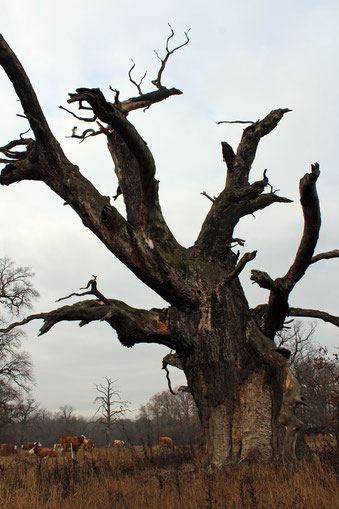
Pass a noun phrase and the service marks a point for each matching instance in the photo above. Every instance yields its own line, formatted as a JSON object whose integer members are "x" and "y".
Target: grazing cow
{"x": 88, "y": 444}
{"x": 7, "y": 449}
{"x": 166, "y": 442}
{"x": 57, "y": 447}
{"x": 71, "y": 443}
{"x": 118, "y": 443}
{"x": 29, "y": 445}
{"x": 43, "y": 452}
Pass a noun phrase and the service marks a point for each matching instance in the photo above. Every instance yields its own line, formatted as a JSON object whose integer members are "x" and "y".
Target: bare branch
{"x": 228, "y": 155}
{"x": 247, "y": 257}
{"x": 116, "y": 95}
{"x": 235, "y": 122}
{"x": 133, "y": 325}
{"x": 23, "y": 322}
{"x": 26, "y": 94}
{"x": 135, "y": 168}
{"x": 138, "y": 85}
{"x": 86, "y": 134}
{"x": 15, "y": 159}
{"x": 237, "y": 242}
{"x": 273, "y": 316}
{"x": 164, "y": 366}
{"x": 7, "y": 149}
{"x": 146, "y": 100}
{"x": 92, "y": 284}
{"x": 312, "y": 221}
{"x": 208, "y": 196}
{"x": 325, "y": 256}
{"x": 268, "y": 184}
{"x": 49, "y": 164}
{"x": 73, "y": 294}
{"x": 314, "y": 313}
{"x": 157, "y": 81}
{"x": 261, "y": 202}
{"x": 112, "y": 116}
{"x": 83, "y": 119}
{"x": 25, "y": 132}
{"x": 238, "y": 176}
{"x": 239, "y": 198}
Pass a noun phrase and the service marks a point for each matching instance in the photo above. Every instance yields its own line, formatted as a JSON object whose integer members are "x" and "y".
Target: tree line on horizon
{"x": 167, "y": 413}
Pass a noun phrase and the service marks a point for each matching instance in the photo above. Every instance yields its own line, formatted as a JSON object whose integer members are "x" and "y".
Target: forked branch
{"x": 93, "y": 290}
{"x": 277, "y": 309}
{"x": 138, "y": 85}
{"x": 157, "y": 81}
{"x": 18, "y": 162}
{"x": 238, "y": 174}
{"x": 15, "y": 155}
{"x": 132, "y": 325}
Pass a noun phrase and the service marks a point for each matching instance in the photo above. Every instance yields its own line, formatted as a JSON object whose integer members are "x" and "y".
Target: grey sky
{"x": 244, "y": 59}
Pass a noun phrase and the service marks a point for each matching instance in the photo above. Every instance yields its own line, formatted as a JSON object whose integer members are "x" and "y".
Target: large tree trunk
{"x": 237, "y": 379}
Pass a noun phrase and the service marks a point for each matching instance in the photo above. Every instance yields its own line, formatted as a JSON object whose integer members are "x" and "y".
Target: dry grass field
{"x": 153, "y": 479}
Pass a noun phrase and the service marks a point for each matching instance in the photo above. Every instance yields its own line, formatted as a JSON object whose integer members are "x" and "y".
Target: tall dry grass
{"x": 152, "y": 479}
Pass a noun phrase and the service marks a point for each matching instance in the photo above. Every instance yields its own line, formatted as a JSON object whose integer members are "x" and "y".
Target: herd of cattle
{"x": 72, "y": 444}
{"x": 67, "y": 444}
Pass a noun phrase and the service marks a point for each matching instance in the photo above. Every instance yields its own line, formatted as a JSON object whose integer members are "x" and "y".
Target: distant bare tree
{"x": 16, "y": 290}
{"x": 15, "y": 365}
{"x": 7, "y": 408}
{"x": 65, "y": 415}
{"x": 26, "y": 410}
{"x": 297, "y": 338}
{"x": 110, "y": 406}
{"x": 16, "y": 368}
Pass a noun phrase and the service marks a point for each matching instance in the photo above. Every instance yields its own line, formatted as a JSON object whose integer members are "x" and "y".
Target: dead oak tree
{"x": 110, "y": 407}
{"x": 242, "y": 385}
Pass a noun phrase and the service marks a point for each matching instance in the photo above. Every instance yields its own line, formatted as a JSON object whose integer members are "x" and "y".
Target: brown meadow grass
{"x": 152, "y": 479}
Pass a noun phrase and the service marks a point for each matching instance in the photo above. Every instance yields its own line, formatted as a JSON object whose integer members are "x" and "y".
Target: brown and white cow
{"x": 7, "y": 449}
{"x": 57, "y": 447}
{"x": 43, "y": 452}
{"x": 29, "y": 445}
{"x": 71, "y": 444}
{"x": 166, "y": 442}
{"x": 88, "y": 444}
{"x": 118, "y": 443}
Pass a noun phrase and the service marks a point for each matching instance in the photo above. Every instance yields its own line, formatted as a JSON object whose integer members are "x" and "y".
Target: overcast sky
{"x": 243, "y": 60}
